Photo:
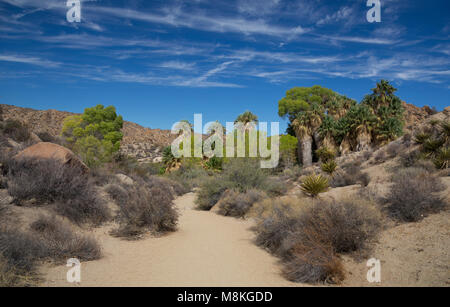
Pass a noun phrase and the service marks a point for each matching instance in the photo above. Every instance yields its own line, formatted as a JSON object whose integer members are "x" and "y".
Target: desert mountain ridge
{"x": 145, "y": 144}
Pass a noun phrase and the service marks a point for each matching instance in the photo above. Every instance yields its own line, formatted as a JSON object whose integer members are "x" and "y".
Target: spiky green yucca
{"x": 325, "y": 154}
{"x": 422, "y": 138}
{"x": 442, "y": 160}
{"x": 313, "y": 185}
{"x": 432, "y": 146}
{"x": 445, "y": 130}
{"x": 329, "y": 167}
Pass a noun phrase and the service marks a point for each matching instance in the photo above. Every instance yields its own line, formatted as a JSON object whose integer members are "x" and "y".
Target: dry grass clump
{"x": 145, "y": 206}
{"x": 413, "y": 195}
{"x": 312, "y": 264}
{"x": 380, "y": 156}
{"x": 48, "y": 239}
{"x": 236, "y": 204}
{"x": 62, "y": 242}
{"x": 48, "y": 181}
{"x": 309, "y": 237}
{"x": 350, "y": 175}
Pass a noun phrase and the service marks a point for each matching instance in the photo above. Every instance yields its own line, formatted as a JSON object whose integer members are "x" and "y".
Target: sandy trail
{"x": 207, "y": 250}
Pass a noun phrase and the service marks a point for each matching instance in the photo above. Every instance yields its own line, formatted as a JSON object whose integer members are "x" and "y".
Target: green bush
{"x": 95, "y": 135}
{"x": 214, "y": 163}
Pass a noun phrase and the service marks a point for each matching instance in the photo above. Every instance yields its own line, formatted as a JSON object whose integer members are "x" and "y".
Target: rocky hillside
{"x": 145, "y": 144}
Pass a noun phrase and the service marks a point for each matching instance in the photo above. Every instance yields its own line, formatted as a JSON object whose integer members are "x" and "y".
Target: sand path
{"x": 207, "y": 250}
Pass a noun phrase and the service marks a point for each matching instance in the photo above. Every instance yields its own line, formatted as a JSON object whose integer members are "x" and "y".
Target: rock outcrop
{"x": 45, "y": 150}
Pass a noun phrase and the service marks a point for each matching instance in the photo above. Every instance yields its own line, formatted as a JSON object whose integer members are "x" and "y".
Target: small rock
{"x": 124, "y": 179}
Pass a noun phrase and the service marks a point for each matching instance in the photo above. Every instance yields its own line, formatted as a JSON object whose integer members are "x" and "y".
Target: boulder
{"x": 124, "y": 179}
{"x": 44, "y": 150}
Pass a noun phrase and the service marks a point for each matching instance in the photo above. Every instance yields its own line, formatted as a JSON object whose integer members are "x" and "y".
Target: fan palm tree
{"x": 305, "y": 124}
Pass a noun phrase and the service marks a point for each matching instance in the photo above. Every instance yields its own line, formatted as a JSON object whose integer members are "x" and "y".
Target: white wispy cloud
{"x": 207, "y": 23}
{"x": 28, "y": 60}
{"x": 177, "y": 65}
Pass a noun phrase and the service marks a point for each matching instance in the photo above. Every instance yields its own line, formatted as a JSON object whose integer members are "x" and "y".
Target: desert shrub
{"x": 313, "y": 185}
{"x": 309, "y": 239}
{"x": 393, "y": 149}
{"x": 210, "y": 192}
{"x": 238, "y": 204}
{"x": 61, "y": 242}
{"x": 347, "y": 225}
{"x": 407, "y": 139}
{"x": 366, "y": 155}
{"x": 48, "y": 181}
{"x": 380, "y": 156}
{"x": 16, "y": 130}
{"x": 276, "y": 219}
{"x": 350, "y": 175}
{"x": 146, "y": 207}
{"x": 46, "y": 137}
{"x": 442, "y": 160}
{"x": 190, "y": 175}
{"x": 245, "y": 174}
{"x": 292, "y": 173}
{"x": 215, "y": 163}
{"x": 130, "y": 166}
{"x": 413, "y": 195}
{"x": 275, "y": 186}
{"x": 18, "y": 258}
{"x": 329, "y": 167}
{"x": 314, "y": 264}
{"x": 409, "y": 158}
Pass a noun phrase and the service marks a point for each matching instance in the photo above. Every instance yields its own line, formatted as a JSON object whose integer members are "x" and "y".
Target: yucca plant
{"x": 421, "y": 138}
{"x": 432, "y": 146}
{"x": 445, "y": 131}
{"x": 442, "y": 160}
{"x": 325, "y": 154}
{"x": 313, "y": 185}
{"x": 329, "y": 167}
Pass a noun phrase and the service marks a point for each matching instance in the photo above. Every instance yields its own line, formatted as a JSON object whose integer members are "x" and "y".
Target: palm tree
{"x": 305, "y": 125}
{"x": 246, "y": 118}
{"x": 328, "y": 132}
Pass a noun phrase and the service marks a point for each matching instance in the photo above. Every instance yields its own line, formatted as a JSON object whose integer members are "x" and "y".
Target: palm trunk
{"x": 363, "y": 140}
{"x": 306, "y": 149}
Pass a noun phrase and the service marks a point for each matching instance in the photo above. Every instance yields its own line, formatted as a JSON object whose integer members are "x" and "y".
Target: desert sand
{"x": 207, "y": 250}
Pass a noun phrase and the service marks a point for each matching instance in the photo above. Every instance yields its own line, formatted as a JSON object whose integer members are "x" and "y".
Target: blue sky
{"x": 164, "y": 60}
